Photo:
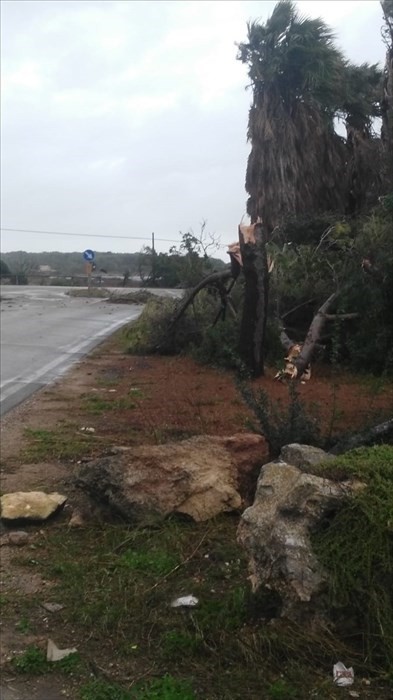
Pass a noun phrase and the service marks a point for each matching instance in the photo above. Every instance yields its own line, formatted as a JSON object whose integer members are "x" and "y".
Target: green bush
{"x": 356, "y": 548}
{"x": 152, "y": 332}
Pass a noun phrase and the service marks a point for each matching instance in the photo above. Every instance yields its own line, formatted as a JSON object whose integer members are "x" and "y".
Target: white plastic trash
{"x": 186, "y": 601}
{"x": 342, "y": 675}
{"x": 53, "y": 653}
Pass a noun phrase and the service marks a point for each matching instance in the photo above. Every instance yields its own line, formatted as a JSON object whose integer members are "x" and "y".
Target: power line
{"x": 89, "y": 235}
{"x": 97, "y": 235}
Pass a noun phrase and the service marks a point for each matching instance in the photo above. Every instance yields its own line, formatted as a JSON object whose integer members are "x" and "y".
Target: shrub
{"x": 282, "y": 425}
{"x": 218, "y": 346}
{"x": 152, "y": 332}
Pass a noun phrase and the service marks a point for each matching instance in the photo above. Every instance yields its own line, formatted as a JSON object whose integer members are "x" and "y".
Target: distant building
{"x": 46, "y": 269}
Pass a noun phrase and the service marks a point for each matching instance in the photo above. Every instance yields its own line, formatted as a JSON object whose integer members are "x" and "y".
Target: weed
{"x": 166, "y": 688}
{"x": 155, "y": 562}
{"x": 282, "y": 690}
{"x": 97, "y": 405}
{"x": 96, "y": 292}
{"x": 24, "y": 625}
{"x": 177, "y": 642}
{"x": 32, "y": 661}
{"x": 57, "y": 444}
{"x": 102, "y": 690}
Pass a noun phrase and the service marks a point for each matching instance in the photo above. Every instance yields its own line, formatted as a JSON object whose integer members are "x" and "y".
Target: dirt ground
{"x": 128, "y": 400}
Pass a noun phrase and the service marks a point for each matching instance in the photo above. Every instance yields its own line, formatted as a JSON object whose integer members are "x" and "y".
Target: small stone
{"x": 18, "y": 538}
{"x": 77, "y": 520}
{"x": 52, "y": 607}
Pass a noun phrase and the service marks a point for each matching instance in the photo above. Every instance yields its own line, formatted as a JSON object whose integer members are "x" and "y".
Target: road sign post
{"x": 88, "y": 257}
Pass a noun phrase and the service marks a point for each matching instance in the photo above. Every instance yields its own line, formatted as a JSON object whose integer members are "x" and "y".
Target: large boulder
{"x": 200, "y": 477}
{"x": 275, "y": 532}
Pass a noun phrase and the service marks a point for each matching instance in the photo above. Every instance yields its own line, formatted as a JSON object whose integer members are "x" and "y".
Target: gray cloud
{"x": 120, "y": 118}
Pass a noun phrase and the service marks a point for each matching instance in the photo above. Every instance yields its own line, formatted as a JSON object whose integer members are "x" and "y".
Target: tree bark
{"x": 253, "y": 241}
{"x": 313, "y": 336}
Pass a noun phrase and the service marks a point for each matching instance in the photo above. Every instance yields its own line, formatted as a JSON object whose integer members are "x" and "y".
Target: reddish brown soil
{"x": 157, "y": 399}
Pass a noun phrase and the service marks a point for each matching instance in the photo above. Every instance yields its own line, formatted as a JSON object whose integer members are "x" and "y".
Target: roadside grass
{"x": 165, "y": 688}
{"x": 63, "y": 444}
{"x": 97, "y": 404}
{"x": 169, "y": 434}
{"x": 117, "y": 584}
{"x": 93, "y": 292}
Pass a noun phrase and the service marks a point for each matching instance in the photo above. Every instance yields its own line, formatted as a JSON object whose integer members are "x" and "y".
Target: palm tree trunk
{"x": 253, "y": 241}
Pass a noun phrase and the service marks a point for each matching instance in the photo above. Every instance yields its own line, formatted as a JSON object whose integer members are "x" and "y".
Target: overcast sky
{"x": 124, "y": 117}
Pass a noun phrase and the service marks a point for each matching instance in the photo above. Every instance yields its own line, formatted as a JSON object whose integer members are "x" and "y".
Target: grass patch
{"x": 58, "y": 444}
{"x": 24, "y": 625}
{"x": 97, "y": 404}
{"x": 93, "y": 292}
{"x": 165, "y": 688}
{"x": 215, "y": 650}
{"x": 141, "y": 296}
{"x": 103, "y": 690}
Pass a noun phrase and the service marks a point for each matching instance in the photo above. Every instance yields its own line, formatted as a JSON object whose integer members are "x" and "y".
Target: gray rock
{"x": 303, "y": 456}
{"x": 32, "y": 505}
{"x": 275, "y": 532}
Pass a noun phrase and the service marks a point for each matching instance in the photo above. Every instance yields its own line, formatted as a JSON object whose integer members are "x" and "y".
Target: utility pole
{"x": 153, "y": 260}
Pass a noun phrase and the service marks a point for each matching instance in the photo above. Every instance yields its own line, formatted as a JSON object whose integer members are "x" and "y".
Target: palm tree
{"x": 387, "y": 97}
{"x": 296, "y": 74}
{"x": 298, "y": 163}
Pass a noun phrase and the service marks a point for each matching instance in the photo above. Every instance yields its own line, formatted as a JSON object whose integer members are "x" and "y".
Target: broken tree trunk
{"x": 253, "y": 241}
{"x": 313, "y": 336}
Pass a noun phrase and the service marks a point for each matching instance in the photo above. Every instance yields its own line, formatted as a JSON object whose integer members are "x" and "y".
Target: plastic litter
{"x": 342, "y": 675}
{"x": 53, "y": 653}
{"x": 186, "y": 601}
{"x": 88, "y": 430}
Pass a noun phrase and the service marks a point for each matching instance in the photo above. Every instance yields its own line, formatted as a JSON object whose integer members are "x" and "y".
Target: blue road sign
{"x": 88, "y": 255}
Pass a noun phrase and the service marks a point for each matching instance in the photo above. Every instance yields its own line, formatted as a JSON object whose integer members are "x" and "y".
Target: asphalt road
{"x": 44, "y": 332}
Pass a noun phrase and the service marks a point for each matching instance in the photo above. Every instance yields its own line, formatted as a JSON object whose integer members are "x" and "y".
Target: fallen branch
{"x": 313, "y": 336}
{"x": 214, "y": 279}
